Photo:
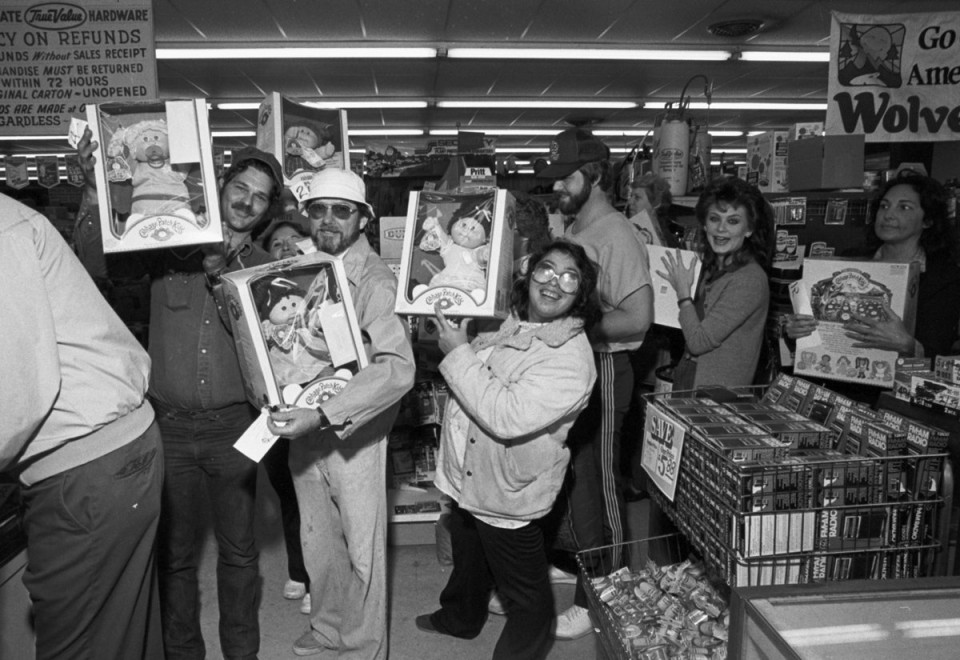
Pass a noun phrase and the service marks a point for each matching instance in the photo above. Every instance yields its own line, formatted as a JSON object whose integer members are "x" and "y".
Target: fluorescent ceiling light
{"x": 605, "y": 105}
{"x": 223, "y": 134}
{"x": 33, "y": 155}
{"x": 727, "y": 133}
{"x": 740, "y": 105}
{"x": 329, "y": 105}
{"x": 781, "y": 56}
{"x": 498, "y": 131}
{"x": 11, "y": 138}
{"x": 293, "y": 52}
{"x": 522, "y": 150}
{"x": 385, "y": 131}
{"x": 586, "y": 54}
{"x": 626, "y": 132}
{"x": 724, "y": 150}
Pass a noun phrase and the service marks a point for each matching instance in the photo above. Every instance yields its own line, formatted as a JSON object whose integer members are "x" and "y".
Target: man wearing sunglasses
{"x": 338, "y": 452}
{"x": 581, "y": 169}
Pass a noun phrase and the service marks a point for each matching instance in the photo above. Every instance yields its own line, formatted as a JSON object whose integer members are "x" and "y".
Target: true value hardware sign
{"x": 57, "y": 56}
{"x": 662, "y": 446}
{"x": 895, "y": 77}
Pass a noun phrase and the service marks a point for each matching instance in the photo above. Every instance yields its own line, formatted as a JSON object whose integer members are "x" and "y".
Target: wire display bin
{"x": 650, "y": 602}
{"x": 764, "y": 507}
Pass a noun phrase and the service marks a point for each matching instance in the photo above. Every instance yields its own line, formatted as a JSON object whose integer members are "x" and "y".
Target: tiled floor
{"x": 416, "y": 579}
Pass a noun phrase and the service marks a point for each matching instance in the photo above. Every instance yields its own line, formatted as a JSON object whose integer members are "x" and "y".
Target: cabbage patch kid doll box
{"x": 156, "y": 184}
{"x": 458, "y": 251}
{"x": 835, "y": 291}
{"x": 304, "y": 139}
{"x": 295, "y": 329}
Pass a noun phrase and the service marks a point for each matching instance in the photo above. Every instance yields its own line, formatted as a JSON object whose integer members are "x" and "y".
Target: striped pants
{"x": 595, "y": 491}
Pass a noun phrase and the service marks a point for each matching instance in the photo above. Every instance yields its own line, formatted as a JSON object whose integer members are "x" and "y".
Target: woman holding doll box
{"x": 503, "y": 452}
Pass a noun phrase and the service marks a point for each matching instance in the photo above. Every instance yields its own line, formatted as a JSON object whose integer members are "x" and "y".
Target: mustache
{"x": 243, "y": 208}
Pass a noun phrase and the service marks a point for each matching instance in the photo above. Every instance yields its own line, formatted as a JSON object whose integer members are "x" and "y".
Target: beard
{"x": 333, "y": 241}
{"x": 570, "y": 204}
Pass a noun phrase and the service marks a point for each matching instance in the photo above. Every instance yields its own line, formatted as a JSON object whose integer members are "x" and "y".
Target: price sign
{"x": 662, "y": 446}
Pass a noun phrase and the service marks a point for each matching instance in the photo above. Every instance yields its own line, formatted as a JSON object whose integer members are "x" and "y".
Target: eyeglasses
{"x": 318, "y": 211}
{"x": 568, "y": 281}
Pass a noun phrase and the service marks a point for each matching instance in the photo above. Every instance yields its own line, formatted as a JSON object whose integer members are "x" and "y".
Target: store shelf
{"x": 414, "y": 497}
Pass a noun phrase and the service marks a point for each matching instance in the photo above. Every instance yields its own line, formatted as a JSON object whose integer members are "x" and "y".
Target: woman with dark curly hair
{"x": 723, "y": 320}
{"x": 910, "y": 224}
{"x": 514, "y": 394}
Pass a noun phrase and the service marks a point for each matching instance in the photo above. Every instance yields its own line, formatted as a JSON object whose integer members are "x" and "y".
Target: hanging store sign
{"x": 896, "y": 77}
{"x": 57, "y": 56}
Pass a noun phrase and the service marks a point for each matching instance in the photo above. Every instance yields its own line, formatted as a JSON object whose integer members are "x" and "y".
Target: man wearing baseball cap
{"x": 198, "y": 394}
{"x": 338, "y": 452}
{"x": 580, "y": 166}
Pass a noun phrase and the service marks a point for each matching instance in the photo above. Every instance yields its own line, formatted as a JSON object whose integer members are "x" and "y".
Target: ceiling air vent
{"x": 735, "y": 29}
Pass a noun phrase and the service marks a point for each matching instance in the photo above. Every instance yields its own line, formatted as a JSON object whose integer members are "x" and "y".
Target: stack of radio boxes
{"x": 937, "y": 390}
{"x": 876, "y": 458}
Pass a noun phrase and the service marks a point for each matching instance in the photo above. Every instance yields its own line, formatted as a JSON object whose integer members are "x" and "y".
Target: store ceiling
{"x": 787, "y": 24}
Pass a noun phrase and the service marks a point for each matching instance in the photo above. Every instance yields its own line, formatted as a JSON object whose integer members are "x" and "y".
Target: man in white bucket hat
{"x": 338, "y": 453}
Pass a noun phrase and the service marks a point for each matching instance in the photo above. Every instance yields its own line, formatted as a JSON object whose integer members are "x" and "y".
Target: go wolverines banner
{"x": 896, "y": 77}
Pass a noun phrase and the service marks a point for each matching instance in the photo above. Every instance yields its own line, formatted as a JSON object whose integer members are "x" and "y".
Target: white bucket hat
{"x": 332, "y": 182}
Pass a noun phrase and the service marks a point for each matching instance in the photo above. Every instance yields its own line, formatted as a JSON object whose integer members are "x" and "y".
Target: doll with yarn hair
{"x": 465, "y": 250}
{"x": 298, "y": 351}
{"x": 141, "y": 152}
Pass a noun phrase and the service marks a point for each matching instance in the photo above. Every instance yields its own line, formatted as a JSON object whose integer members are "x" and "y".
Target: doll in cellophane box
{"x": 300, "y": 316}
{"x": 155, "y": 174}
{"x": 458, "y": 253}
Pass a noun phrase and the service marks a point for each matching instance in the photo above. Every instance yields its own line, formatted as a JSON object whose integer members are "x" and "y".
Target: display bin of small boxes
{"x": 795, "y": 484}
{"x": 656, "y": 603}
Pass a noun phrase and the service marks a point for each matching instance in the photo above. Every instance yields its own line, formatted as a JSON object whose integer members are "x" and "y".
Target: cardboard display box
{"x": 304, "y": 139}
{"x": 467, "y": 280}
{"x": 767, "y": 161}
{"x": 156, "y": 184}
{"x": 834, "y": 290}
{"x": 825, "y": 162}
{"x": 296, "y": 330}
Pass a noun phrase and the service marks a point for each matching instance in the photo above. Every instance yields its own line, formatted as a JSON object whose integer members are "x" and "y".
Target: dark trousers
{"x": 515, "y": 562}
{"x": 276, "y": 464}
{"x": 91, "y": 560}
{"x": 595, "y": 500}
{"x": 202, "y": 466}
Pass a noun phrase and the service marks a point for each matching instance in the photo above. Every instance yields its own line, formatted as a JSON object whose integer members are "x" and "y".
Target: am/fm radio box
{"x": 156, "y": 184}
{"x": 295, "y": 328}
{"x": 458, "y": 252}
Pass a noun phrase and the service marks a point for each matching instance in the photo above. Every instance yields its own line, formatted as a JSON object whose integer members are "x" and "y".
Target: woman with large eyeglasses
{"x": 515, "y": 393}
{"x": 724, "y": 318}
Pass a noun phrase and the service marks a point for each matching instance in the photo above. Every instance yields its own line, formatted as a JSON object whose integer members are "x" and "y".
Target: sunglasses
{"x": 318, "y": 211}
{"x": 568, "y": 281}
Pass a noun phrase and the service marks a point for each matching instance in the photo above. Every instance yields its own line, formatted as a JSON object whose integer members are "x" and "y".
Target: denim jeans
{"x": 201, "y": 464}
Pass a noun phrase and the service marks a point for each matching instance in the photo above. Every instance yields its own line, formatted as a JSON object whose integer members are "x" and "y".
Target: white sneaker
{"x": 293, "y": 590}
{"x": 305, "y": 605}
{"x": 495, "y": 606}
{"x": 574, "y": 623}
{"x": 560, "y": 576}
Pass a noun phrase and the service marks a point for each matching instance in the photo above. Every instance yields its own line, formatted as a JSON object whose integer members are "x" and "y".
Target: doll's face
{"x": 809, "y": 357}
{"x": 825, "y": 359}
{"x": 285, "y": 309}
{"x": 296, "y": 138}
{"x": 468, "y": 232}
{"x": 152, "y": 147}
{"x": 862, "y": 363}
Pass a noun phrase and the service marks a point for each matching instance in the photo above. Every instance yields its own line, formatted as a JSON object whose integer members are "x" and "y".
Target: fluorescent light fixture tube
{"x": 293, "y": 52}
{"x": 385, "y": 131}
{"x": 741, "y": 105}
{"x": 587, "y": 54}
{"x": 605, "y": 105}
{"x": 782, "y": 56}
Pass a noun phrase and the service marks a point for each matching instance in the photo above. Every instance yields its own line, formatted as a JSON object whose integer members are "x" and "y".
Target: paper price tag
{"x": 256, "y": 440}
{"x": 662, "y": 447}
